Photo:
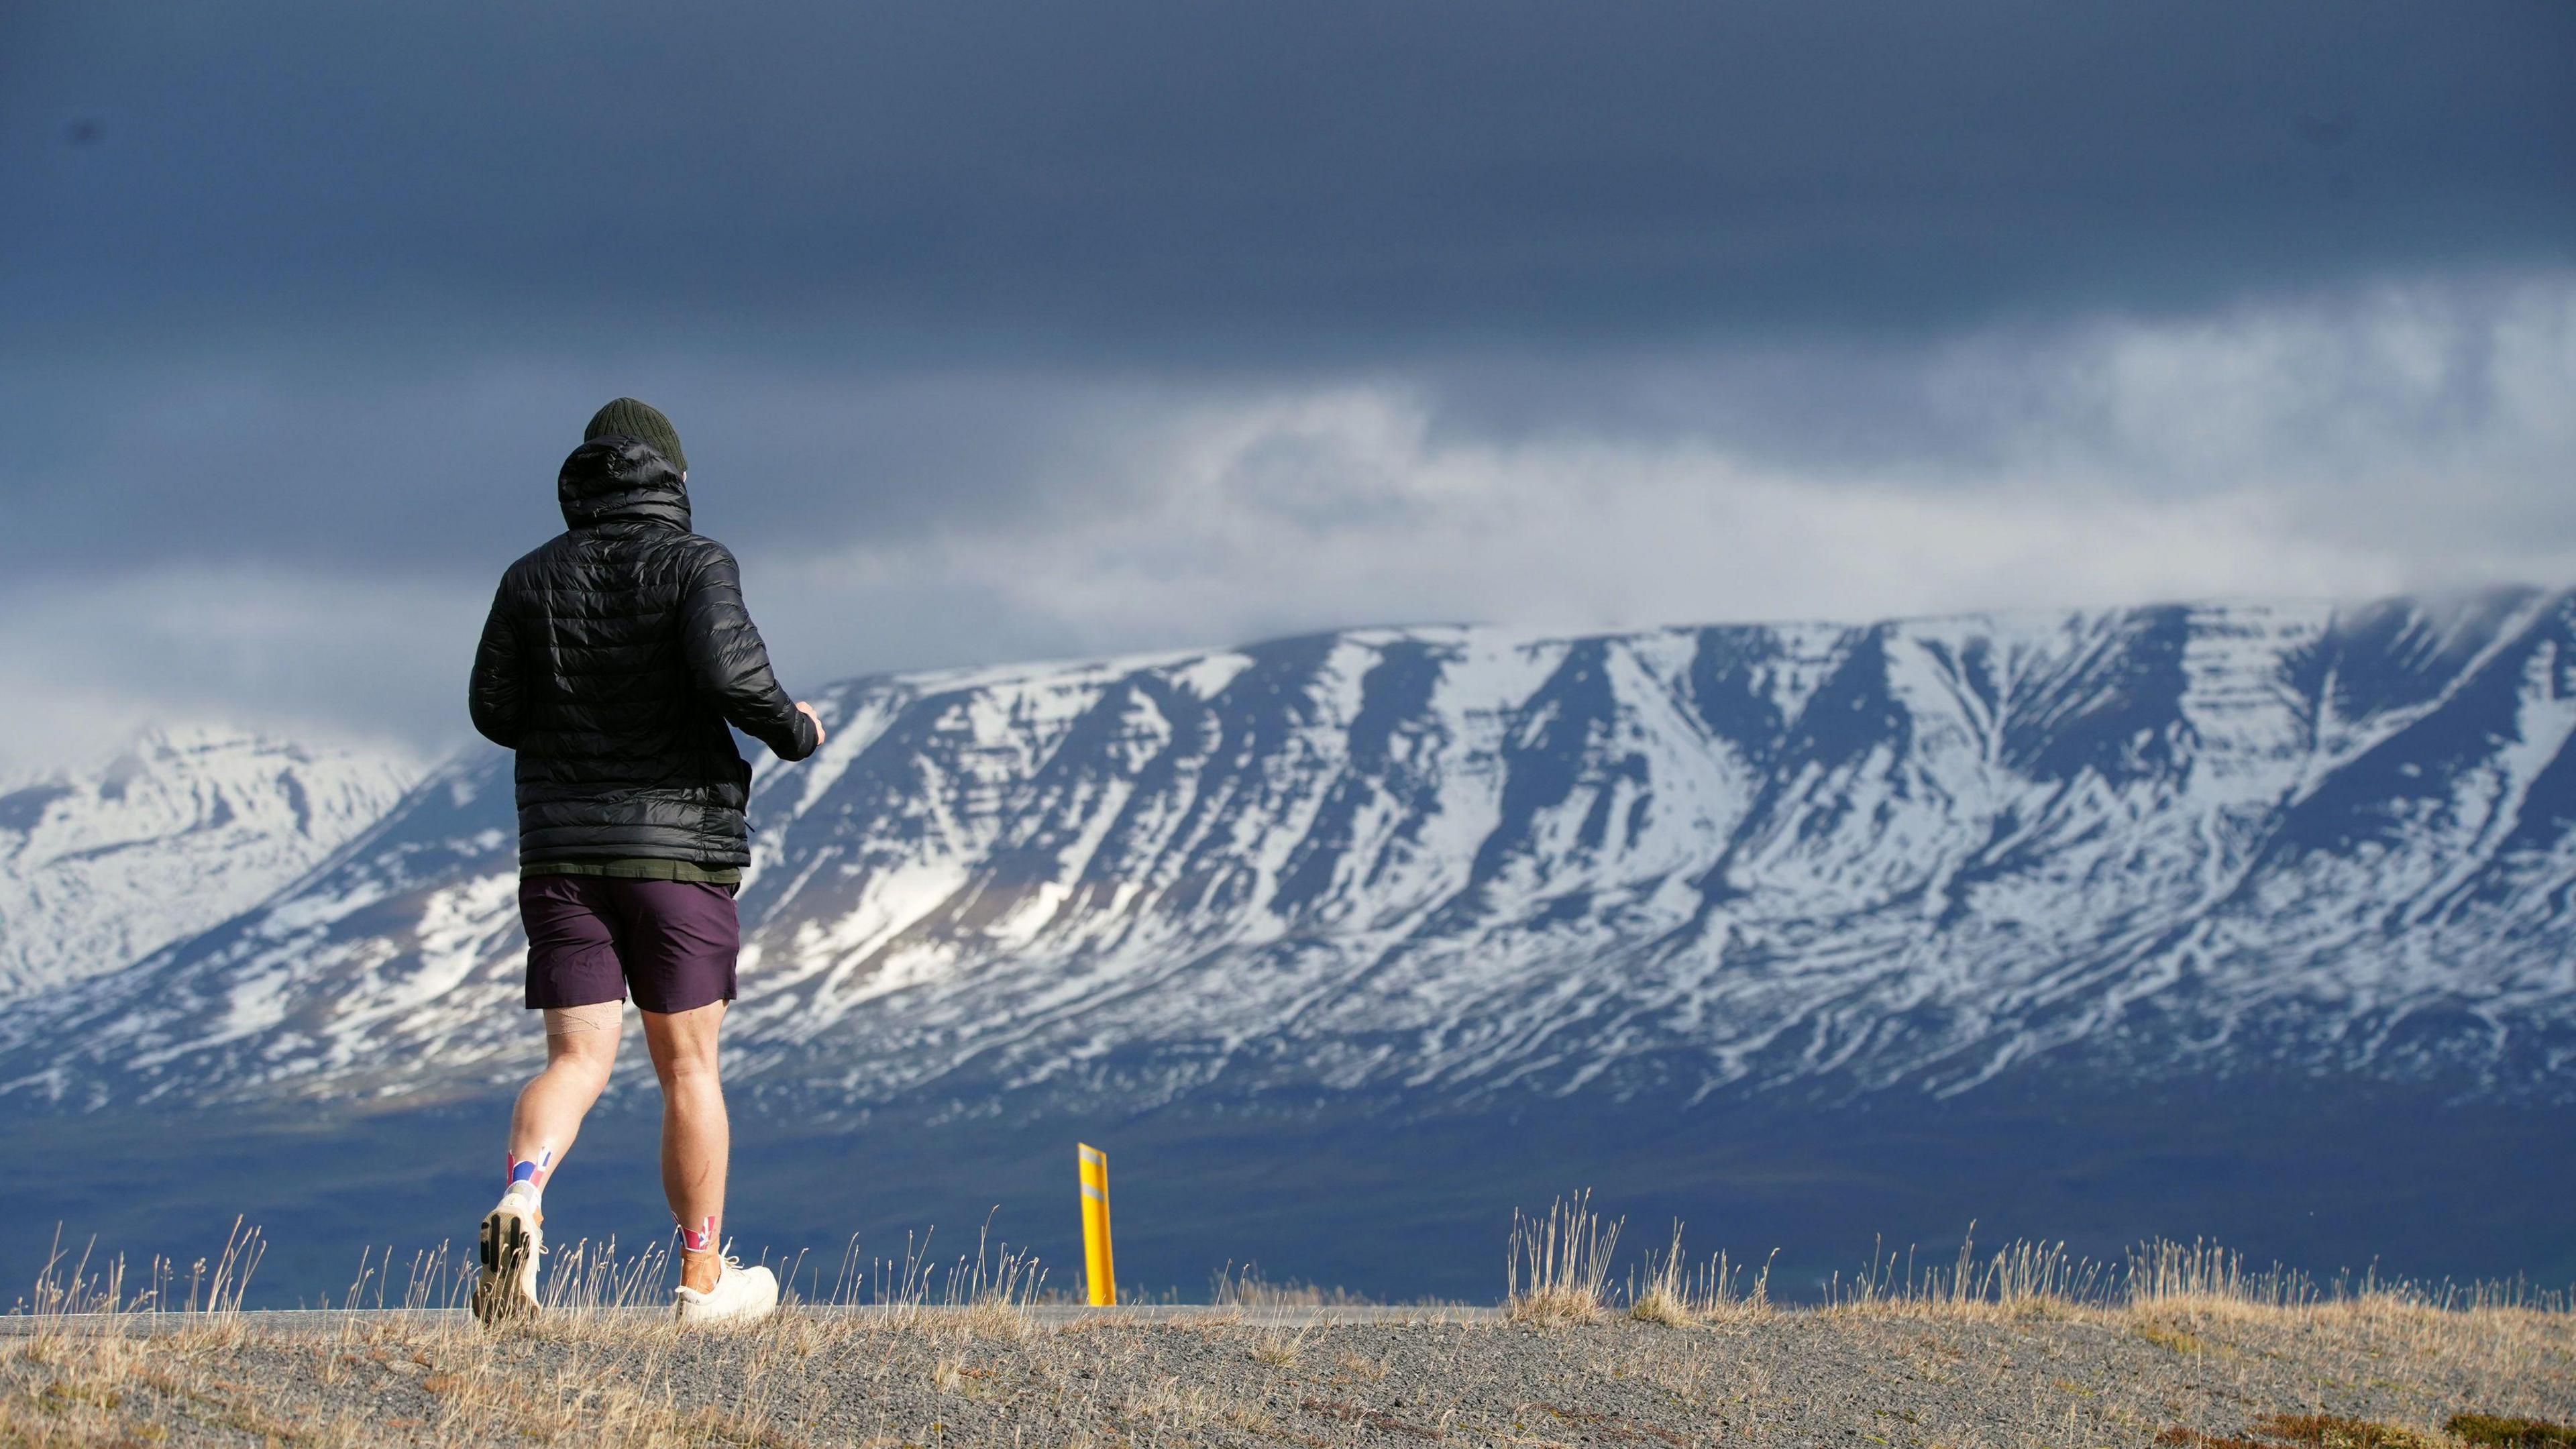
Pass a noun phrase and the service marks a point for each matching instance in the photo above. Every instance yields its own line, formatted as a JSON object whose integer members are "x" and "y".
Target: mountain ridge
{"x": 182, "y": 828}
{"x": 1453, "y": 863}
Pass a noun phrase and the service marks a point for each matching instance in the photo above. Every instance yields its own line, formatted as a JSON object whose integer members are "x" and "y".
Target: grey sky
{"x": 1042, "y": 328}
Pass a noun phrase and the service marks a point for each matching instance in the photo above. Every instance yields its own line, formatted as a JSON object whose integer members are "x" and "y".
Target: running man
{"x": 614, "y": 658}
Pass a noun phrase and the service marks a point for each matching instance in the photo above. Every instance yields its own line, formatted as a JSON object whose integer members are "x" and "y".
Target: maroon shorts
{"x": 594, "y": 938}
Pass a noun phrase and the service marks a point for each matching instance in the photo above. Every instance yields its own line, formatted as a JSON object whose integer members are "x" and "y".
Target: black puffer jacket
{"x": 612, "y": 660}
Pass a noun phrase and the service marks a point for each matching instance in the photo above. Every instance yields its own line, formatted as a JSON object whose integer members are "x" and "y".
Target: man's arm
{"x": 728, "y": 661}
{"x": 494, "y": 695}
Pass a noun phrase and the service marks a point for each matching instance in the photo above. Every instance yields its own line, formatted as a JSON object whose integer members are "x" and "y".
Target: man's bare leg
{"x": 696, "y": 1137}
{"x": 581, "y": 1047}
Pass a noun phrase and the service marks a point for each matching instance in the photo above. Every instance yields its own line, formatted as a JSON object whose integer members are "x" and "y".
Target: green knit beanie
{"x": 627, "y": 418}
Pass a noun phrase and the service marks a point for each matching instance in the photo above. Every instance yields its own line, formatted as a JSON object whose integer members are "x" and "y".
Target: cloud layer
{"x": 2404, "y": 437}
{"x": 1030, "y": 330}
{"x": 1235, "y": 179}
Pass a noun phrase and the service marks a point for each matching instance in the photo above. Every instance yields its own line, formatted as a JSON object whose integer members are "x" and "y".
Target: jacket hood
{"x": 614, "y": 479}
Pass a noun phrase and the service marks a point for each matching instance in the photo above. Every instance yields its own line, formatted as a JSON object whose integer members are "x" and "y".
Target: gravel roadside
{"x": 2198, "y": 1376}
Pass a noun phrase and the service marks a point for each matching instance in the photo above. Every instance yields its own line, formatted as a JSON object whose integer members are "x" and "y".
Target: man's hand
{"x": 807, "y": 710}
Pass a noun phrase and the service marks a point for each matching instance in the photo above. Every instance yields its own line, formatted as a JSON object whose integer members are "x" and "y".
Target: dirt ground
{"x": 2198, "y": 1374}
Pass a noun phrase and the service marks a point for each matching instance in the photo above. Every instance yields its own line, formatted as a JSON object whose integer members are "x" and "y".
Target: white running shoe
{"x": 512, "y": 1238}
{"x": 741, "y": 1295}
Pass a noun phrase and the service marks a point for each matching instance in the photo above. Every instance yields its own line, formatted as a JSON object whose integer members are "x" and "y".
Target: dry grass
{"x": 601, "y": 1363}
{"x": 805, "y": 1378}
{"x": 2007, "y": 1350}
{"x": 2305, "y": 1431}
{"x": 1662, "y": 1296}
{"x": 2178, "y": 1340}
{"x": 1677, "y": 1293}
{"x": 2019, "y": 1278}
{"x": 1281, "y": 1347}
{"x": 2503, "y": 1433}
{"x": 1559, "y": 1265}
{"x": 1245, "y": 1287}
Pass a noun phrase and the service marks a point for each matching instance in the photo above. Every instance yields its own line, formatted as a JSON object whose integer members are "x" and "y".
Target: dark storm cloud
{"x": 1051, "y": 327}
{"x": 1255, "y": 178}
{"x": 278, "y": 280}
{"x": 346, "y": 459}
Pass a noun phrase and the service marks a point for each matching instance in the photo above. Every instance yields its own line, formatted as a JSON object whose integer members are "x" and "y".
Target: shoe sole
{"x": 506, "y": 1247}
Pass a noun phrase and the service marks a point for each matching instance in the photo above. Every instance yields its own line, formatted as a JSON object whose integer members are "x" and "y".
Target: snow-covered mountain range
{"x": 1459, "y": 864}
{"x": 185, "y": 829}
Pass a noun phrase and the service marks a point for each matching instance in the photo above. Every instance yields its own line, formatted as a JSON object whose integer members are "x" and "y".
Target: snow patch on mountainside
{"x": 1458, "y": 863}
{"x": 189, "y": 826}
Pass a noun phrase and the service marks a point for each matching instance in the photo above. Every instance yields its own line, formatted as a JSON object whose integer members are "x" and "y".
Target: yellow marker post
{"x": 1099, "y": 1276}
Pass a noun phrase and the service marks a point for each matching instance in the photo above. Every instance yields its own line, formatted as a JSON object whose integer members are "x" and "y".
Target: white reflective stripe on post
{"x": 1100, "y": 1274}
